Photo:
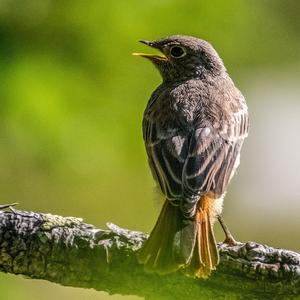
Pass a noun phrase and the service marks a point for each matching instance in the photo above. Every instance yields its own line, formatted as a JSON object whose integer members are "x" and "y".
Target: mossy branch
{"x": 69, "y": 252}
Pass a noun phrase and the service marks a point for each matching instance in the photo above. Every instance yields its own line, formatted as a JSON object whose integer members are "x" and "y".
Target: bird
{"x": 194, "y": 126}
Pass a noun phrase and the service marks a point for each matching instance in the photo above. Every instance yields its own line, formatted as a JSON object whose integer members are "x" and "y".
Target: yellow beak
{"x": 151, "y": 56}
{"x": 160, "y": 56}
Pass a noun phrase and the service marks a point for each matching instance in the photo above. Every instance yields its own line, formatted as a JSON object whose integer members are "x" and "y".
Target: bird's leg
{"x": 10, "y": 206}
{"x": 229, "y": 239}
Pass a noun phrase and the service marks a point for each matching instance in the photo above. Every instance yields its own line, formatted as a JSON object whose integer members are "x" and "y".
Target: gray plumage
{"x": 194, "y": 124}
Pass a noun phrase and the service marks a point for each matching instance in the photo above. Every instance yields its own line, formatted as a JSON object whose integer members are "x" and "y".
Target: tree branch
{"x": 69, "y": 252}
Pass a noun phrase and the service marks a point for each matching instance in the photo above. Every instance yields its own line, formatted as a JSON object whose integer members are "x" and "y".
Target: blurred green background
{"x": 72, "y": 99}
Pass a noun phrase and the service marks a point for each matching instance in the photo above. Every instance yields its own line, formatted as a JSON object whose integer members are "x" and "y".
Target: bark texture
{"x": 69, "y": 252}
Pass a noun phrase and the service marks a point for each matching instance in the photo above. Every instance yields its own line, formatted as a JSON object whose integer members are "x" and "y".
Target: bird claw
{"x": 9, "y": 206}
{"x": 230, "y": 241}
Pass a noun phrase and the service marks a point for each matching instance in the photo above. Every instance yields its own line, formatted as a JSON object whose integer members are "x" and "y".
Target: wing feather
{"x": 202, "y": 161}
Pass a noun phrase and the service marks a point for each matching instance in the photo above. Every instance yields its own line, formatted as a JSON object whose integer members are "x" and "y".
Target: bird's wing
{"x": 167, "y": 148}
{"x": 213, "y": 156}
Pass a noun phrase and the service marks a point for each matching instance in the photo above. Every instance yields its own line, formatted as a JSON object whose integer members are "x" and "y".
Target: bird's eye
{"x": 177, "y": 51}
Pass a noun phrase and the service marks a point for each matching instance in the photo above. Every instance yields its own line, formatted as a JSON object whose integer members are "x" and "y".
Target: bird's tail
{"x": 180, "y": 243}
{"x": 171, "y": 242}
{"x": 205, "y": 256}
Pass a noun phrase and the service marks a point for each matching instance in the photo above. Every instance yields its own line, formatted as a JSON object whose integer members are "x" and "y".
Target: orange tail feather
{"x": 205, "y": 255}
{"x": 180, "y": 243}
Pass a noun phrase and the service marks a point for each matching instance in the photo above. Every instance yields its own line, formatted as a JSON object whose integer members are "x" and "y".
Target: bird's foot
{"x": 229, "y": 239}
{"x": 8, "y": 206}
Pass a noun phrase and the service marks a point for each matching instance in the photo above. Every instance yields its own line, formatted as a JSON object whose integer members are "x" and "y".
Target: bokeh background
{"x": 71, "y": 104}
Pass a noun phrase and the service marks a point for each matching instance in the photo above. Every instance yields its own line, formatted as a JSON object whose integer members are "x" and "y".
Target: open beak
{"x": 155, "y": 57}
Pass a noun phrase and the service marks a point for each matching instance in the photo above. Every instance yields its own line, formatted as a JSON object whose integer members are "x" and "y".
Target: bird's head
{"x": 184, "y": 57}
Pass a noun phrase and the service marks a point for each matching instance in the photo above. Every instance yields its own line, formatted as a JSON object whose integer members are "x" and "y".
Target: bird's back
{"x": 176, "y": 112}
{"x": 193, "y": 127}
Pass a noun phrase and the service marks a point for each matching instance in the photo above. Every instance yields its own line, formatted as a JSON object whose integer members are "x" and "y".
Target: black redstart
{"x": 194, "y": 126}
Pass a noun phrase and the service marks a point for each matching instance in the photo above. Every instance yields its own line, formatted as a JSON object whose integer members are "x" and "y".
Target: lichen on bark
{"x": 70, "y": 252}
